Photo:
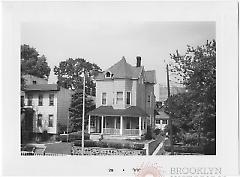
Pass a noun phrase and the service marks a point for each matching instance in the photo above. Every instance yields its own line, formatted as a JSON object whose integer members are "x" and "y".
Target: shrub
{"x": 90, "y": 143}
{"x": 149, "y": 134}
{"x": 157, "y": 131}
{"x": 138, "y": 146}
{"x": 184, "y": 149}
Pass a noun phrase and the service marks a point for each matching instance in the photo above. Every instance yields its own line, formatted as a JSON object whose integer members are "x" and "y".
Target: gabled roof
{"x": 122, "y": 69}
{"x": 42, "y": 87}
{"x": 132, "y": 111}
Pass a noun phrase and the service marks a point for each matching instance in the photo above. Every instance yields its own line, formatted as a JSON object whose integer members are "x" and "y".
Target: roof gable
{"x": 122, "y": 70}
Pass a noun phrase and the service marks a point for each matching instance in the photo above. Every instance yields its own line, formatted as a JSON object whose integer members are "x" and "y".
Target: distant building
{"x": 163, "y": 91}
{"x": 125, "y": 101}
{"x": 50, "y": 104}
{"x": 161, "y": 117}
{"x": 33, "y": 80}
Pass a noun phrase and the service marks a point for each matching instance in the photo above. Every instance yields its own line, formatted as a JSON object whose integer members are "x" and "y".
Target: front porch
{"x": 117, "y": 126}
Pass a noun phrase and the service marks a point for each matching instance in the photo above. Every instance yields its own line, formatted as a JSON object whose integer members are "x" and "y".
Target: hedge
{"x": 184, "y": 149}
{"x": 90, "y": 143}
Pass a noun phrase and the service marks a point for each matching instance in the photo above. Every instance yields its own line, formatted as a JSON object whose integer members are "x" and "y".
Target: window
{"x": 51, "y": 99}
{"x": 40, "y": 100}
{"x": 119, "y": 97}
{"x": 104, "y": 98}
{"x": 128, "y": 100}
{"x": 34, "y": 82}
{"x": 50, "y": 120}
{"x": 148, "y": 99}
{"x": 92, "y": 123}
{"x": 108, "y": 74}
{"x": 158, "y": 121}
{"x": 164, "y": 121}
{"x": 39, "y": 120}
{"x": 30, "y": 97}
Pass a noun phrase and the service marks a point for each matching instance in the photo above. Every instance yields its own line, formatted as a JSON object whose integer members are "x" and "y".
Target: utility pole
{"x": 170, "y": 115}
{"x": 83, "y": 113}
{"x": 67, "y": 125}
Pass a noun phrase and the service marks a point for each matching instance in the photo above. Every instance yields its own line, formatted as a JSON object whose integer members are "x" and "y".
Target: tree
{"x": 32, "y": 63}
{"x": 196, "y": 109}
{"x": 76, "y": 109}
{"x": 69, "y": 74}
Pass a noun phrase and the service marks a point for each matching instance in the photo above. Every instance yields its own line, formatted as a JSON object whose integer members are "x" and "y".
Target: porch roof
{"x": 132, "y": 111}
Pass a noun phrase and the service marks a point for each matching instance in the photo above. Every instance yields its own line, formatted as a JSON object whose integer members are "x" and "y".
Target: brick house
{"x": 124, "y": 101}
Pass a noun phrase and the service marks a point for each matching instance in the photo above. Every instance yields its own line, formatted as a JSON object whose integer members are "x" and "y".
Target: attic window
{"x": 108, "y": 75}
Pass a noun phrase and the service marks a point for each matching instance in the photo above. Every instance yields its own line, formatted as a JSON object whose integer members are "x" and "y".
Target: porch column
{"x": 121, "y": 125}
{"x": 140, "y": 124}
{"x": 89, "y": 124}
{"x": 115, "y": 122}
{"x": 102, "y": 126}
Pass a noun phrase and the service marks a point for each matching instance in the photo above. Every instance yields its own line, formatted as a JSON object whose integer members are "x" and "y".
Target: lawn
{"x": 59, "y": 148}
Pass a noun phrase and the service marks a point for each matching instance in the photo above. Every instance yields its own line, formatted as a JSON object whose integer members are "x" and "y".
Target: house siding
{"x": 63, "y": 105}
{"x": 45, "y": 110}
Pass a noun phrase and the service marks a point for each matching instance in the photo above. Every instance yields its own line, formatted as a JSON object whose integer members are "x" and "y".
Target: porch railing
{"x": 131, "y": 131}
{"x": 111, "y": 131}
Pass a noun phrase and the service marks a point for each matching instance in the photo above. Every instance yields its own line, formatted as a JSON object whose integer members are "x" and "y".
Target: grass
{"x": 59, "y": 148}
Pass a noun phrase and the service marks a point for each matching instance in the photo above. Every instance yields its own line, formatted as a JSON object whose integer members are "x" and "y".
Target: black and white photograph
{"x": 120, "y": 88}
{"x": 87, "y": 91}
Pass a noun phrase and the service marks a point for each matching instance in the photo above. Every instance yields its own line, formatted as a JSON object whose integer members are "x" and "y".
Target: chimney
{"x": 138, "y": 61}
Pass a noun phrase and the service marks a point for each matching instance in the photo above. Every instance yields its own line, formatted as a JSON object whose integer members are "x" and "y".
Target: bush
{"x": 210, "y": 148}
{"x": 138, "y": 146}
{"x": 90, "y": 143}
{"x": 184, "y": 149}
{"x": 149, "y": 134}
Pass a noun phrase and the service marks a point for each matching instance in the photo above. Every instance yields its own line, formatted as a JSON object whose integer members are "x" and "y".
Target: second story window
{"x": 104, "y": 98}
{"x": 39, "y": 120}
{"x": 51, "y": 99}
{"x": 148, "y": 98}
{"x": 50, "y": 120}
{"x": 29, "y": 102}
{"x": 128, "y": 100}
{"x": 119, "y": 97}
{"x": 40, "y": 100}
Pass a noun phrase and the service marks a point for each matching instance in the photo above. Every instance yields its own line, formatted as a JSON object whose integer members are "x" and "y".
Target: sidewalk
{"x": 156, "y": 152}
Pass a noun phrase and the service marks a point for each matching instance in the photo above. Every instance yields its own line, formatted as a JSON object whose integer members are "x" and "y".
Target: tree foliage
{"x": 32, "y": 63}
{"x": 195, "y": 111}
{"x": 76, "y": 109}
{"x": 69, "y": 74}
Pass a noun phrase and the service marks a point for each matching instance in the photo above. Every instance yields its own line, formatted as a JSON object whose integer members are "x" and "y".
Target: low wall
{"x": 77, "y": 150}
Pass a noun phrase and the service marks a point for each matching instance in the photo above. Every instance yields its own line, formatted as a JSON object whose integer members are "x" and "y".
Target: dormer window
{"x": 108, "y": 75}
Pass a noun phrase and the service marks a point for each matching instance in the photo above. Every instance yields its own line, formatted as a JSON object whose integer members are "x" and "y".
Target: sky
{"x": 104, "y": 43}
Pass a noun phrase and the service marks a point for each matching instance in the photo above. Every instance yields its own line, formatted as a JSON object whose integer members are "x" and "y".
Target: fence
{"x": 44, "y": 154}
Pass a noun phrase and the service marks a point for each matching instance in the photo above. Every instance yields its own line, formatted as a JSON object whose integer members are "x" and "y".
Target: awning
{"x": 132, "y": 111}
